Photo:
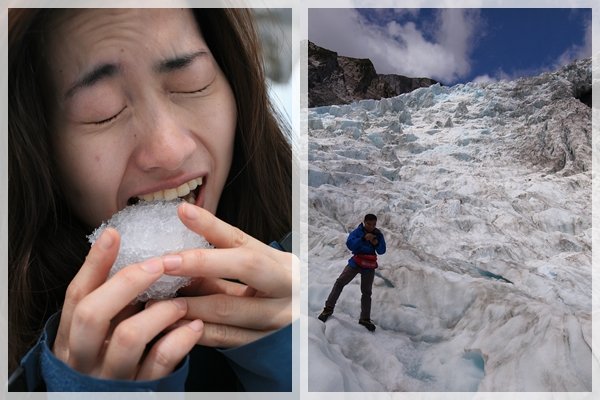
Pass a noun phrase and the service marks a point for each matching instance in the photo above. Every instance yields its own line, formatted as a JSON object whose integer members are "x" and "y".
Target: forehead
{"x": 80, "y": 38}
{"x": 83, "y": 26}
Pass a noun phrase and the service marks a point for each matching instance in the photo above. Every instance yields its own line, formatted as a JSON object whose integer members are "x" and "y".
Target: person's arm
{"x": 355, "y": 240}
{"x": 380, "y": 247}
{"x": 43, "y": 370}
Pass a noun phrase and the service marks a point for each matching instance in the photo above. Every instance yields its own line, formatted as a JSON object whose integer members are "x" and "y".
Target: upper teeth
{"x": 171, "y": 194}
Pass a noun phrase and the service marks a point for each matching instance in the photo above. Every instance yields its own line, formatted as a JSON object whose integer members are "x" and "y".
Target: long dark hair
{"x": 47, "y": 243}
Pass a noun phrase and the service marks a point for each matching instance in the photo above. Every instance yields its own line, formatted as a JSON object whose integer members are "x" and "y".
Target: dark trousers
{"x": 366, "y": 283}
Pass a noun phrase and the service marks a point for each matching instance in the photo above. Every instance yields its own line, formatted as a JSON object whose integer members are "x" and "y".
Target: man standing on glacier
{"x": 365, "y": 242}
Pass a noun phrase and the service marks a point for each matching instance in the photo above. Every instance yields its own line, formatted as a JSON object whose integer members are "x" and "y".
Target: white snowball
{"x": 151, "y": 229}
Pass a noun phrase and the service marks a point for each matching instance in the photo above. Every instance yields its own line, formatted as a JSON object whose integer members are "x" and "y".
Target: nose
{"x": 164, "y": 141}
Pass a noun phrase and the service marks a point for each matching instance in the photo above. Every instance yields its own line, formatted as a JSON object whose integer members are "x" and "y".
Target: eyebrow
{"x": 89, "y": 79}
{"x": 104, "y": 71}
{"x": 179, "y": 62}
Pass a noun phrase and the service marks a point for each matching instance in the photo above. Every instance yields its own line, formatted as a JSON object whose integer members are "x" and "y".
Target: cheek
{"x": 219, "y": 140}
{"x": 218, "y": 122}
{"x": 78, "y": 165}
{"x": 227, "y": 138}
{"x": 229, "y": 123}
{"x": 87, "y": 171}
{"x": 225, "y": 145}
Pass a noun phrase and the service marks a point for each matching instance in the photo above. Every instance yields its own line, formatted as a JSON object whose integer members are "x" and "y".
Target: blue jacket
{"x": 264, "y": 365}
{"x": 357, "y": 243}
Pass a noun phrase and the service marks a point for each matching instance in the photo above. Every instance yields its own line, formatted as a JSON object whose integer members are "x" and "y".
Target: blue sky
{"x": 456, "y": 45}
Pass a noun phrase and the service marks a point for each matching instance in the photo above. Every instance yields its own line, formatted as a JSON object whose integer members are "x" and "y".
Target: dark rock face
{"x": 334, "y": 79}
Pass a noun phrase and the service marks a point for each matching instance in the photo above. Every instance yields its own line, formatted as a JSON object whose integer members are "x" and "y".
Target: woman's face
{"x": 142, "y": 110}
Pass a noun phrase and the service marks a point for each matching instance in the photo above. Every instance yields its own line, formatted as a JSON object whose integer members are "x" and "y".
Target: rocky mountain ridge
{"x": 334, "y": 79}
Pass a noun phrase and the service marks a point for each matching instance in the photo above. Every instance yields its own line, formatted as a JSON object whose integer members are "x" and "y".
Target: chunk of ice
{"x": 151, "y": 229}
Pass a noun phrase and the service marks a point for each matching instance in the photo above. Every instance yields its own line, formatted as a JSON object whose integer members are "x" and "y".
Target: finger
{"x": 216, "y": 335}
{"x": 255, "y": 269}
{"x": 177, "y": 324}
{"x": 125, "y": 313}
{"x": 206, "y": 286}
{"x": 92, "y": 274}
{"x": 244, "y": 312}
{"x": 218, "y": 233}
{"x": 170, "y": 350}
{"x": 92, "y": 316}
{"x": 129, "y": 339}
{"x": 251, "y": 292}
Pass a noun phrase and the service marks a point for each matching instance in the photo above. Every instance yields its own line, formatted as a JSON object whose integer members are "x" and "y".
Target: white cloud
{"x": 578, "y": 51}
{"x": 400, "y": 48}
{"x": 456, "y": 34}
{"x": 398, "y": 12}
{"x": 500, "y": 75}
{"x": 484, "y": 79}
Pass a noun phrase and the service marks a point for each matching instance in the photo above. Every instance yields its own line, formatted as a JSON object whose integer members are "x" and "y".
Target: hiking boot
{"x": 325, "y": 314}
{"x": 367, "y": 323}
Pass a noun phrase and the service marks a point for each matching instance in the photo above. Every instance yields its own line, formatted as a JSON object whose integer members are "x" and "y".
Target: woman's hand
{"x": 102, "y": 335}
{"x": 234, "y": 313}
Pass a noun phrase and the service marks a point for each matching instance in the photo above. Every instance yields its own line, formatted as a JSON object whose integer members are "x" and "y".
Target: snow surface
{"x": 483, "y": 192}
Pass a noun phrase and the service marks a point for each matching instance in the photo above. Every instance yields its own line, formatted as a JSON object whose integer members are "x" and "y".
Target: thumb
{"x": 92, "y": 274}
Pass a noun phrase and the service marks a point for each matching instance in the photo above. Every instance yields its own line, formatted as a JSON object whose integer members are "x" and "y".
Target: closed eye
{"x": 107, "y": 120}
{"x": 193, "y": 91}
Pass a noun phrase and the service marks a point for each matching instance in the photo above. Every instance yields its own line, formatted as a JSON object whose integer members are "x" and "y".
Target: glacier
{"x": 484, "y": 194}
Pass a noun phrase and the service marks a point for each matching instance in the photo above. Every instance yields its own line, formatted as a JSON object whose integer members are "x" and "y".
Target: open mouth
{"x": 187, "y": 191}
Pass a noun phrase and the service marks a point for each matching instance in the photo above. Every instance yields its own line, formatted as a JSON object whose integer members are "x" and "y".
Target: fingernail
{"x": 105, "y": 240}
{"x": 152, "y": 266}
{"x": 180, "y": 303}
{"x": 196, "y": 325}
{"x": 189, "y": 211}
{"x": 172, "y": 262}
